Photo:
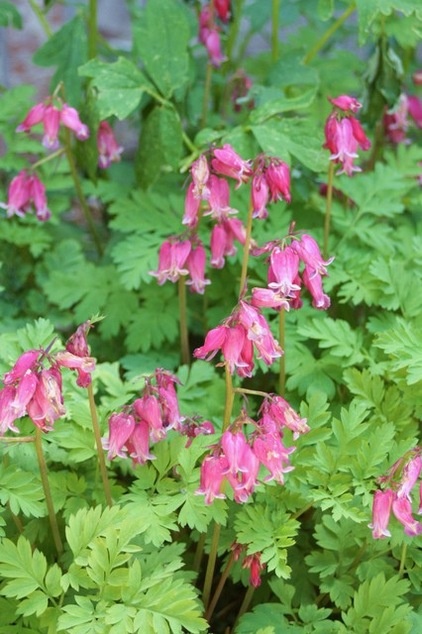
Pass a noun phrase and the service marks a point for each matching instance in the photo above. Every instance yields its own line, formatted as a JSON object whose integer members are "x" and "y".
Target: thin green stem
{"x": 100, "y": 450}
{"x": 47, "y": 491}
{"x": 219, "y": 587}
{"x": 92, "y": 29}
{"x": 199, "y": 552}
{"x": 229, "y": 398}
{"x": 402, "y": 559}
{"x": 183, "y": 323}
{"x": 234, "y": 30}
{"x": 80, "y": 194}
{"x": 41, "y": 18}
{"x": 275, "y": 20}
{"x": 328, "y": 33}
{"x": 206, "y": 97}
{"x": 245, "y": 604}
{"x": 47, "y": 158}
{"x": 243, "y": 390}
{"x": 189, "y": 144}
{"x": 281, "y": 340}
{"x": 329, "y": 200}
{"x": 12, "y": 441}
{"x": 209, "y": 574}
{"x": 302, "y": 510}
{"x": 246, "y": 247}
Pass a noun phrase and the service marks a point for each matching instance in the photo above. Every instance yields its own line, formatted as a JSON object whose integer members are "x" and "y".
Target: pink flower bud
{"x": 214, "y": 341}
{"x": 200, "y": 175}
{"x": 26, "y": 362}
{"x": 228, "y": 163}
{"x": 69, "y": 117}
{"x": 213, "y": 471}
{"x": 253, "y": 563}
{"x": 381, "y": 510}
{"x": 51, "y": 124}
{"x": 171, "y": 260}
{"x": 8, "y": 414}
{"x": 120, "y": 426}
{"x": 39, "y": 198}
{"x": 222, "y": 7}
{"x": 346, "y": 103}
{"x": 138, "y": 443}
{"x": 34, "y": 116}
{"x": 108, "y": 149}
{"x": 192, "y": 206}
{"x": 47, "y": 403}
{"x": 260, "y": 194}
{"x": 196, "y": 266}
{"x": 402, "y": 509}
{"x": 271, "y": 452}
{"x": 19, "y": 195}
{"x": 278, "y": 179}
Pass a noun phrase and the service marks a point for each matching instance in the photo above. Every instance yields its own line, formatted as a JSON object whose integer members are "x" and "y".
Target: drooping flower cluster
{"x": 27, "y": 193}
{"x": 33, "y": 387}
{"x": 240, "y": 334}
{"x": 209, "y": 30}
{"x": 250, "y": 562}
{"x": 237, "y": 458}
{"x": 285, "y": 280}
{"x": 344, "y": 134}
{"x": 397, "y": 120}
{"x": 179, "y": 257}
{"x": 208, "y": 195}
{"x": 146, "y": 420}
{"x": 109, "y": 150}
{"x": 396, "y": 497}
{"x": 51, "y": 116}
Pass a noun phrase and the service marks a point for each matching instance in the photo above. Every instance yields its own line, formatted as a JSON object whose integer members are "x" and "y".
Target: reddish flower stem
{"x": 100, "y": 450}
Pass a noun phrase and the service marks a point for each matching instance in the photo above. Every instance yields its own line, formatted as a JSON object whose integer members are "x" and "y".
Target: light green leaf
{"x": 120, "y": 86}
{"x": 66, "y": 49}
{"x": 161, "y": 39}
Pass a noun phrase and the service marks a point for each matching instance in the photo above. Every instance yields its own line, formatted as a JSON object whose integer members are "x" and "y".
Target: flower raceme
{"x": 51, "y": 118}
{"x": 27, "y": 192}
{"x": 285, "y": 279}
{"x": 396, "y": 498}
{"x": 209, "y": 34}
{"x": 236, "y": 459}
{"x": 344, "y": 134}
{"x": 34, "y": 390}
{"x": 108, "y": 149}
{"x": 243, "y": 332}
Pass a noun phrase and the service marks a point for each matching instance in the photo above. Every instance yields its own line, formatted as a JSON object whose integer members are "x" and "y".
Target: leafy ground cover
{"x": 210, "y": 341}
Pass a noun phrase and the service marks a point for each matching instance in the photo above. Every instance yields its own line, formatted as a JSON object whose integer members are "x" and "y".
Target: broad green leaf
{"x": 160, "y": 145}
{"x": 369, "y": 10}
{"x": 120, "y": 86}
{"x": 9, "y": 15}
{"x": 292, "y": 137}
{"x": 66, "y": 49}
{"x": 161, "y": 39}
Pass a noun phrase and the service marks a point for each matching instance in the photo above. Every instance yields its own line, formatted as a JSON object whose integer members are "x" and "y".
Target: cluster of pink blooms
{"x": 243, "y": 331}
{"x": 285, "y": 281}
{"x": 236, "y": 459}
{"x": 33, "y": 387}
{"x": 51, "y": 117}
{"x": 148, "y": 420}
{"x": 27, "y": 192}
{"x": 401, "y": 479}
{"x": 208, "y": 194}
{"x": 397, "y": 121}
{"x": 344, "y": 134}
{"x": 250, "y": 562}
{"x": 209, "y": 30}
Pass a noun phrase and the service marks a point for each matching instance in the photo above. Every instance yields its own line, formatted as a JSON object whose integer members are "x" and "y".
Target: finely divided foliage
{"x": 210, "y": 294}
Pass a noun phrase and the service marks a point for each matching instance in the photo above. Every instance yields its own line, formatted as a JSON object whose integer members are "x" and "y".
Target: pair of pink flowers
{"x": 179, "y": 258}
{"x": 209, "y": 31}
{"x": 147, "y": 419}
{"x": 27, "y": 192}
{"x": 51, "y": 117}
{"x": 344, "y": 134}
{"x": 402, "y": 478}
{"x": 33, "y": 387}
{"x": 240, "y": 334}
{"x": 236, "y": 459}
{"x": 397, "y": 121}
{"x": 284, "y": 279}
